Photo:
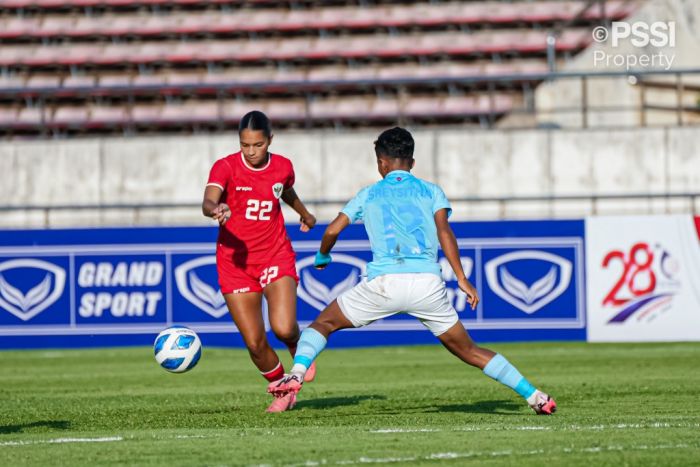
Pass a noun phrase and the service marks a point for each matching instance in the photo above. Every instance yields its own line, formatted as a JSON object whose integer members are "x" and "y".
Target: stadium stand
{"x": 85, "y": 66}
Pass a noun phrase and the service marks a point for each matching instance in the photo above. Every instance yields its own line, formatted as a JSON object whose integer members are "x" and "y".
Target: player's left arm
{"x": 308, "y": 220}
{"x": 330, "y": 236}
{"x": 448, "y": 242}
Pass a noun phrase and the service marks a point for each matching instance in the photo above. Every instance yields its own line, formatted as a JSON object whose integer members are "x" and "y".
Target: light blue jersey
{"x": 399, "y": 218}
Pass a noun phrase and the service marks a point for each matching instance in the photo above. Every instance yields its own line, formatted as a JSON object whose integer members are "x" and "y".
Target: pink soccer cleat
{"x": 290, "y": 384}
{"x": 310, "y": 373}
{"x": 282, "y": 403}
{"x": 544, "y": 405}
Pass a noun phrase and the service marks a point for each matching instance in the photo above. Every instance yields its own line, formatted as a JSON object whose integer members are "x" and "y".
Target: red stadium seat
{"x": 11, "y": 82}
{"x": 190, "y": 113}
{"x": 150, "y": 80}
{"x": 384, "y": 108}
{"x": 64, "y": 116}
{"x": 103, "y": 115}
{"x": 79, "y": 81}
{"x": 146, "y": 114}
{"x": 30, "y": 116}
{"x": 115, "y": 80}
{"x": 43, "y": 81}
{"x": 8, "y": 117}
{"x": 288, "y": 110}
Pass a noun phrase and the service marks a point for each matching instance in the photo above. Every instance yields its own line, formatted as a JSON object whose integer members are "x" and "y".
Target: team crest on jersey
{"x": 277, "y": 190}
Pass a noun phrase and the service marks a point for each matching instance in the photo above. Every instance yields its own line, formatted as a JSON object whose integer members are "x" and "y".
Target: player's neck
{"x": 402, "y": 168}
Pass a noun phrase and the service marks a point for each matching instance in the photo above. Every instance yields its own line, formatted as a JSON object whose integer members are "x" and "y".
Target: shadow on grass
{"x": 491, "y": 407}
{"x": 330, "y": 402}
{"x": 501, "y": 407}
{"x": 51, "y": 424}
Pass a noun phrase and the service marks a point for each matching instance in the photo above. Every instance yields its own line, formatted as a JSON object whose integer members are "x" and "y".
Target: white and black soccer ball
{"x": 177, "y": 349}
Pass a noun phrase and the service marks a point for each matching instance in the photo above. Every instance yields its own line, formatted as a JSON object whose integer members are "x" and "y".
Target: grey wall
{"x": 333, "y": 165}
{"x": 619, "y": 92}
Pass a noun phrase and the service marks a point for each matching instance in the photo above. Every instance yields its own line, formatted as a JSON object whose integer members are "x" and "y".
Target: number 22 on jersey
{"x": 258, "y": 210}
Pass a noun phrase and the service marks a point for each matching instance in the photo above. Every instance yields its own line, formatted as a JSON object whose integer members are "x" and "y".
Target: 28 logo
{"x": 637, "y": 277}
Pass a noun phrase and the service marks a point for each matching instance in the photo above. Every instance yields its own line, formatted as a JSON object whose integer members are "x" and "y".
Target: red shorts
{"x": 253, "y": 277}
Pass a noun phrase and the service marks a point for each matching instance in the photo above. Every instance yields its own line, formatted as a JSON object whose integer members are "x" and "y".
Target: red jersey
{"x": 255, "y": 232}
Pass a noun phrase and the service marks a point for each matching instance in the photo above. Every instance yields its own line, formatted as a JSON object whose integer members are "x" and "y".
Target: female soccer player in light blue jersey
{"x": 406, "y": 219}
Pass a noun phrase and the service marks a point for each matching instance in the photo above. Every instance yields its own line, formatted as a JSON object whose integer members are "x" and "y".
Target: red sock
{"x": 275, "y": 374}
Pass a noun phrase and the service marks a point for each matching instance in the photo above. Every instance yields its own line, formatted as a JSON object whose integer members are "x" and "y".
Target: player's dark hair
{"x": 396, "y": 142}
{"x": 255, "y": 121}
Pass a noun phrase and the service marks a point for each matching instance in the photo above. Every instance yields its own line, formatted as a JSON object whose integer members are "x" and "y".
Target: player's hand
{"x": 307, "y": 223}
{"x": 467, "y": 287}
{"x": 321, "y": 260}
{"x": 221, "y": 213}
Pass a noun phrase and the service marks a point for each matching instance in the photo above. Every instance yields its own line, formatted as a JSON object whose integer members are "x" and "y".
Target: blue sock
{"x": 502, "y": 371}
{"x": 310, "y": 345}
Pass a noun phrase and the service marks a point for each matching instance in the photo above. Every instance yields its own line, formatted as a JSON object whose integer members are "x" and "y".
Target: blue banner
{"x": 104, "y": 287}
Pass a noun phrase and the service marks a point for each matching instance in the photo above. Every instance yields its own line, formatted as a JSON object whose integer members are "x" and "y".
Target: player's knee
{"x": 287, "y": 334}
{"x": 258, "y": 347}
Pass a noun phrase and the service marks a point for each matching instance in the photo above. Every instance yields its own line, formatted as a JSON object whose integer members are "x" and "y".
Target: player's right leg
{"x": 365, "y": 303}
{"x": 458, "y": 342}
{"x": 312, "y": 342}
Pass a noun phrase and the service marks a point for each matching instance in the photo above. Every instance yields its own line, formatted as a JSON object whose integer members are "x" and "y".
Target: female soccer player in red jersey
{"x": 254, "y": 256}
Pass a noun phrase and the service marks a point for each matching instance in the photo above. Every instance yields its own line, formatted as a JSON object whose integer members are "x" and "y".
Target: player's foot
{"x": 310, "y": 373}
{"x": 290, "y": 384}
{"x": 543, "y": 405}
{"x": 282, "y": 403}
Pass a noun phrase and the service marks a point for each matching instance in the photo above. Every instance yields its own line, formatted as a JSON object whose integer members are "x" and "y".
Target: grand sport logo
{"x": 204, "y": 296}
{"x": 540, "y": 291}
{"x": 27, "y": 303}
{"x": 343, "y": 274}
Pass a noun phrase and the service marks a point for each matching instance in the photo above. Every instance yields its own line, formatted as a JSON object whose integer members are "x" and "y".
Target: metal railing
{"x": 690, "y": 206}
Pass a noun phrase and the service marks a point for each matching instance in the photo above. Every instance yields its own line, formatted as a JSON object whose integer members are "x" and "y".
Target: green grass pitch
{"x": 618, "y": 405}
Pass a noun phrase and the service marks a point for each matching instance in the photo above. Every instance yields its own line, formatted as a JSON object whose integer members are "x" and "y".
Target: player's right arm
{"x": 353, "y": 211}
{"x": 211, "y": 207}
{"x": 448, "y": 242}
{"x": 330, "y": 236}
{"x": 211, "y": 204}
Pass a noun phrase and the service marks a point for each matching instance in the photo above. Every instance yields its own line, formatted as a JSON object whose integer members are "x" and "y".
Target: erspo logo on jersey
{"x": 647, "y": 282}
{"x": 26, "y": 304}
{"x": 531, "y": 296}
{"x": 197, "y": 290}
{"x": 344, "y": 271}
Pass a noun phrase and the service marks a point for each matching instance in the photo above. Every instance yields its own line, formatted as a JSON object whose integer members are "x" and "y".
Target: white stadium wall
{"x": 331, "y": 165}
{"x": 620, "y": 92}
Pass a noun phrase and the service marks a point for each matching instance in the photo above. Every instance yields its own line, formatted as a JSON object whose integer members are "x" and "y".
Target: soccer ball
{"x": 177, "y": 349}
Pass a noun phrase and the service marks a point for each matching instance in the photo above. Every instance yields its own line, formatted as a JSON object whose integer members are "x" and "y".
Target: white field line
{"x": 476, "y": 454}
{"x": 108, "y": 439}
{"x": 619, "y": 426}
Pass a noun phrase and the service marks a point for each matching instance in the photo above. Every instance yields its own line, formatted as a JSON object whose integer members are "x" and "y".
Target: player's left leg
{"x": 457, "y": 341}
{"x": 281, "y": 296}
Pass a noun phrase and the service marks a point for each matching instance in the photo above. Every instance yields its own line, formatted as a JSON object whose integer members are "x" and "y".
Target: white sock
{"x": 299, "y": 370}
{"x": 530, "y": 400}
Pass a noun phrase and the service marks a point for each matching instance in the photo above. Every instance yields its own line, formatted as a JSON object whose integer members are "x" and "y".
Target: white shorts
{"x": 422, "y": 296}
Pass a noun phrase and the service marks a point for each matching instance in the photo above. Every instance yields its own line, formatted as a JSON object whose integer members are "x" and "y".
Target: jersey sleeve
{"x": 356, "y": 206}
{"x": 291, "y": 177}
{"x": 440, "y": 201}
{"x": 220, "y": 174}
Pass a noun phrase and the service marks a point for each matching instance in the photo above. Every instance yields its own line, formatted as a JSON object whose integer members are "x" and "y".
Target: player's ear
{"x": 269, "y": 139}
{"x": 413, "y": 163}
{"x": 381, "y": 165}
